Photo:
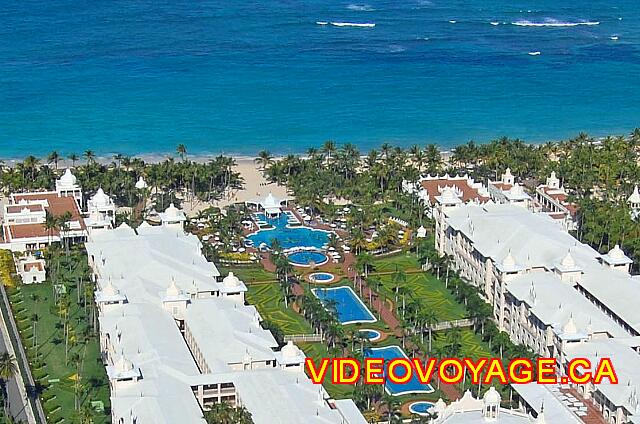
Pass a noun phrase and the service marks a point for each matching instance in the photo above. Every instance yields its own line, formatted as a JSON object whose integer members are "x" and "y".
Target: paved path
{"x": 16, "y": 403}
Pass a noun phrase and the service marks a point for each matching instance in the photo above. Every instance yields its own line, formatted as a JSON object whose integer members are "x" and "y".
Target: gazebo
{"x": 270, "y": 205}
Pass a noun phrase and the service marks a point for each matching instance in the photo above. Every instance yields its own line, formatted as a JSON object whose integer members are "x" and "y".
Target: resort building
{"x": 31, "y": 269}
{"x": 471, "y": 410}
{"x": 551, "y": 199}
{"x": 559, "y": 297}
{"x": 634, "y": 203}
{"x": 508, "y": 191}
{"x": 101, "y": 212}
{"x": 173, "y": 217}
{"x": 463, "y": 188}
{"x": 24, "y": 216}
{"x": 177, "y": 338}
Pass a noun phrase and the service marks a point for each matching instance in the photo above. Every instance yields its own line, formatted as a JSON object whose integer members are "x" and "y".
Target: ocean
{"x": 236, "y": 77}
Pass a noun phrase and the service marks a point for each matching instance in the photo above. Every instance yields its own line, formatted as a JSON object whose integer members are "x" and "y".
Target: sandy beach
{"x": 255, "y": 186}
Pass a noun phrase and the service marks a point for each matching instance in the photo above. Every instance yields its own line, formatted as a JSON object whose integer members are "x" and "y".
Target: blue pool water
{"x": 370, "y": 334}
{"x": 349, "y": 307}
{"x": 394, "y": 352}
{"x": 322, "y": 277}
{"x": 420, "y": 407}
{"x": 241, "y": 76}
{"x": 305, "y": 257}
{"x": 289, "y": 237}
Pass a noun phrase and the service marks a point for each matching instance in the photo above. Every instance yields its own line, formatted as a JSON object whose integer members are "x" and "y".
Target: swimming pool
{"x": 420, "y": 408}
{"x": 371, "y": 335}
{"x": 349, "y": 307}
{"x": 321, "y": 277}
{"x": 305, "y": 257}
{"x": 392, "y": 352}
{"x": 287, "y": 235}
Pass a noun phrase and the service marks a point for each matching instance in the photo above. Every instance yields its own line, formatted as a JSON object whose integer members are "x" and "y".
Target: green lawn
{"x": 425, "y": 289}
{"x": 54, "y": 369}
{"x": 58, "y": 397}
{"x": 269, "y": 301}
{"x": 404, "y": 261}
{"x": 472, "y": 346}
{"x": 249, "y": 274}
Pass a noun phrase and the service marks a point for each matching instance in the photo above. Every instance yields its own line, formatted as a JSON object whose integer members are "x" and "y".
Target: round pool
{"x": 420, "y": 408}
{"x": 370, "y": 334}
{"x": 321, "y": 277}
{"x": 305, "y": 257}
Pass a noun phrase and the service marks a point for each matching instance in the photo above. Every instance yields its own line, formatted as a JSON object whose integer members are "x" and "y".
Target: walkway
{"x": 389, "y": 317}
{"x": 12, "y": 343}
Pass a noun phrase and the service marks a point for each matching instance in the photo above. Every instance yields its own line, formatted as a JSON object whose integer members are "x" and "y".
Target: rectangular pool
{"x": 393, "y": 352}
{"x": 349, "y": 307}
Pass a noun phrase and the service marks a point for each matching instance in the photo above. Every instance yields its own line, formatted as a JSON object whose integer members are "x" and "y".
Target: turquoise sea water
{"x": 236, "y": 77}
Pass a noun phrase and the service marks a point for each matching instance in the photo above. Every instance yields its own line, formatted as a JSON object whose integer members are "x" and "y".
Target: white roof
{"x": 539, "y": 395}
{"x": 616, "y": 256}
{"x": 221, "y": 319}
{"x": 635, "y": 196}
{"x": 141, "y": 183}
{"x": 537, "y": 243}
{"x": 147, "y": 343}
{"x": 626, "y": 363}
{"x": 100, "y": 199}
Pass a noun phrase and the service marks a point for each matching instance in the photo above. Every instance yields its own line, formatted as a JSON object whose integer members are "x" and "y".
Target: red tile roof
{"x": 468, "y": 193}
{"x": 57, "y": 207}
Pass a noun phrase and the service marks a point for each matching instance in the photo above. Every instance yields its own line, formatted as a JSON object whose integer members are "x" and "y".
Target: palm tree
{"x": 329, "y": 148}
{"x": 264, "y": 159}
{"x": 181, "y": 150}
{"x": 90, "y": 156}
{"x": 73, "y": 158}
{"x": 54, "y": 158}
{"x": 50, "y": 224}
{"x": 224, "y": 413}
{"x": 8, "y": 369}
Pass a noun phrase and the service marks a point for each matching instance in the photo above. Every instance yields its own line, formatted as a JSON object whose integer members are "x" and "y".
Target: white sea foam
{"x": 322, "y": 23}
{"x": 534, "y": 53}
{"x": 552, "y": 23}
{"x": 360, "y": 7}
{"x": 452, "y": 22}
{"x": 614, "y": 37}
{"x": 495, "y": 23}
{"x": 353, "y": 24}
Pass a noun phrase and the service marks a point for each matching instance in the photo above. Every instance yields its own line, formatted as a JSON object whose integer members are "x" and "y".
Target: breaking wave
{"x": 552, "y": 23}
{"x": 360, "y": 7}
{"x": 353, "y": 24}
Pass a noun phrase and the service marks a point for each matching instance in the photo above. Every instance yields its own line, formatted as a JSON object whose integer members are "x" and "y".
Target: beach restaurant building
{"x": 177, "y": 338}
{"x": 24, "y": 216}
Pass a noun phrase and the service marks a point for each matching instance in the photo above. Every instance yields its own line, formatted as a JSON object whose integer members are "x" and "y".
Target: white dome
{"x": 635, "y": 196}
{"x": 172, "y": 211}
{"x": 271, "y": 201}
{"x": 141, "y": 183}
{"x": 492, "y": 396}
{"x": 509, "y": 261}
{"x": 68, "y": 178}
{"x": 231, "y": 281}
{"x": 570, "y": 326}
{"x": 123, "y": 365}
{"x": 290, "y": 350}
{"x": 568, "y": 261}
{"x": 173, "y": 290}
{"x": 109, "y": 290}
{"x": 100, "y": 198}
{"x": 616, "y": 253}
{"x": 439, "y": 406}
